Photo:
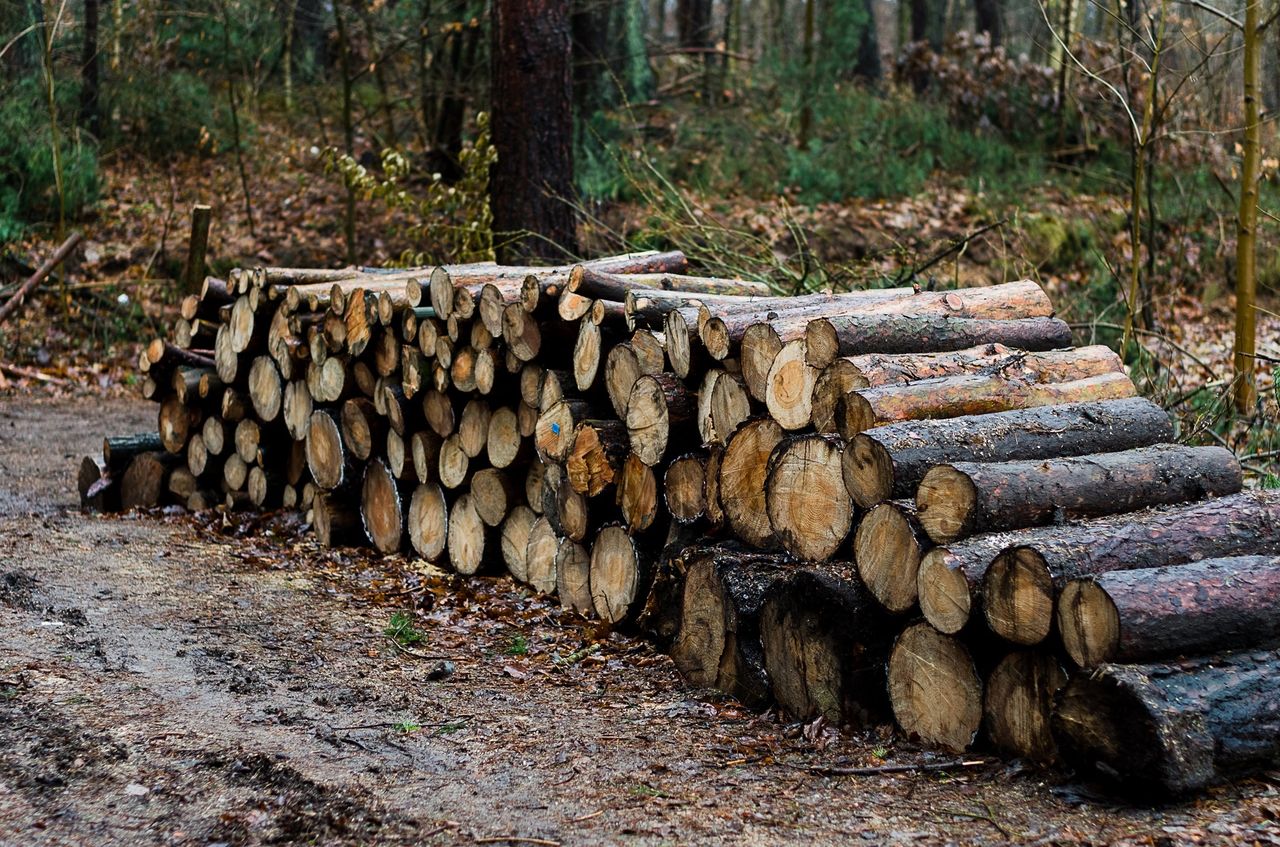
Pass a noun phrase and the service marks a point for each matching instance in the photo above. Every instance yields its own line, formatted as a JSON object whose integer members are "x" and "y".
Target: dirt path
{"x": 164, "y": 681}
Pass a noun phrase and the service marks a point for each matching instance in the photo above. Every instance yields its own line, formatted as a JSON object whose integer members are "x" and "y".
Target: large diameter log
{"x": 963, "y": 498}
{"x": 718, "y": 645}
{"x": 874, "y": 370}
{"x": 622, "y": 367}
{"x": 428, "y": 521}
{"x": 887, "y": 548}
{"x": 888, "y": 462}
{"x": 1155, "y": 613}
{"x": 620, "y": 575}
{"x": 1021, "y": 585}
{"x": 744, "y": 468}
{"x": 970, "y": 394}
{"x": 381, "y": 509}
{"x": 809, "y": 508}
{"x": 824, "y": 642}
{"x": 934, "y": 688}
{"x": 659, "y": 405}
{"x": 852, "y": 335}
{"x": 1018, "y": 704}
{"x": 1173, "y": 729}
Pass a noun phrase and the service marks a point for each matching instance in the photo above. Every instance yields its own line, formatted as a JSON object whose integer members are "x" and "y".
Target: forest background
{"x": 1123, "y": 154}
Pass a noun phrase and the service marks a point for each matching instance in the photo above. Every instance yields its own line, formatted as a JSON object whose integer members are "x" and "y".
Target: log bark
{"x": 143, "y": 484}
{"x": 1158, "y": 730}
{"x": 934, "y": 688}
{"x": 1018, "y": 704}
{"x": 964, "y": 498}
{"x": 1021, "y": 585}
{"x": 825, "y": 642}
{"x": 874, "y": 333}
{"x": 969, "y": 394}
{"x": 888, "y": 462}
{"x": 809, "y": 509}
{"x": 718, "y": 645}
{"x": 1156, "y": 613}
{"x": 887, "y": 548}
{"x": 119, "y": 450}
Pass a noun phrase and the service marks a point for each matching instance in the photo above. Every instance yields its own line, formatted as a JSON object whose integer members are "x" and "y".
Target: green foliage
{"x": 518, "y": 646}
{"x": 407, "y": 727}
{"x": 165, "y": 113}
{"x": 402, "y": 631}
{"x": 28, "y": 184}
{"x": 449, "y": 222}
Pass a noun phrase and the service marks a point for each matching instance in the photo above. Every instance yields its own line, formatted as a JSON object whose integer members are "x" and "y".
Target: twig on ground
{"x": 923, "y": 767}
{"x": 516, "y": 839}
{"x": 28, "y": 373}
{"x": 43, "y": 271}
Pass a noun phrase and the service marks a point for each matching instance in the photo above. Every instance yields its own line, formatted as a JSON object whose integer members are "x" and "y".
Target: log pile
{"x": 883, "y": 503}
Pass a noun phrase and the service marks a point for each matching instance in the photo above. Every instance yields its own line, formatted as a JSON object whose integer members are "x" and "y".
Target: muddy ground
{"x": 166, "y": 679}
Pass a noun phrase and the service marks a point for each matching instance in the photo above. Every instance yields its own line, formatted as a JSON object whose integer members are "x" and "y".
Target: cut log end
{"x": 381, "y": 509}
{"x": 1088, "y": 622}
{"x": 428, "y": 521}
{"x": 887, "y": 550}
{"x": 943, "y": 593}
{"x": 1018, "y": 595}
{"x": 616, "y": 575}
{"x": 868, "y": 472}
{"x": 945, "y": 500}
{"x": 934, "y": 688}
{"x": 1018, "y": 704}
{"x": 743, "y": 470}
{"x": 809, "y": 509}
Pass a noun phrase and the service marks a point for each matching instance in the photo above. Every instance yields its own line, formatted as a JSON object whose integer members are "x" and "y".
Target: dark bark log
{"x": 718, "y": 645}
{"x": 1020, "y": 586}
{"x": 825, "y": 641}
{"x": 878, "y": 333}
{"x": 531, "y": 104}
{"x": 964, "y": 498}
{"x": 1173, "y": 729}
{"x": 119, "y": 450}
{"x": 1156, "y": 613}
{"x": 888, "y": 462}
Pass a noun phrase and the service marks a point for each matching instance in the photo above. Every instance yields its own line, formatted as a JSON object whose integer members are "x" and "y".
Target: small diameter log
{"x": 620, "y": 575}
{"x": 266, "y": 391}
{"x": 235, "y": 474}
{"x": 381, "y": 509}
{"x": 1021, "y": 585}
{"x": 266, "y": 490}
{"x": 540, "y": 556}
{"x": 600, "y": 448}
{"x": 492, "y": 494}
{"x": 467, "y": 536}
{"x": 789, "y": 387}
{"x": 684, "y": 348}
{"x": 428, "y": 522}
{"x": 473, "y": 427}
{"x": 573, "y": 576}
{"x": 98, "y": 491}
{"x": 521, "y": 332}
{"x": 119, "y": 450}
{"x": 1154, "y": 613}
{"x": 934, "y": 688}
{"x": 1018, "y": 704}
{"x": 718, "y": 645}
{"x": 363, "y": 429}
{"x": 176, "y": 424}
{"x": 327, "y": 457}
{"x": 248, "y": 438}
{"x": 638, "y": 494}
{"x": 950, "y": 578}
{"x": 888, "y": 462}
{"x": 514, "y": 541}
{"x": 533, "y": 481}
{"x": 824, "y": 642}
{"x": 453, "y": 463}
{"x": 424, "y": 446}
{"x": 963, "y": 498}
{"x": 658, "y": 406}
{"x": 854, "y": 335}
{"x": 743, "y": 470}
{"x": 336, "y": 520}
{"x": 684, "y": 487}
{"x": 439, "y": 411}
{"x": 400, "y": 459}
{"x": 197, "y": 454}
{"x": 760, "y": 347}
{"x": 649, "y": 350}
{"x": 214, "y": 435}
{"x": 809, "y": 509}
{"x": 969, "y": 394}
{"x": 887, "y": 549}
{"x": 297, "y": 409}
{"x": 143, "y": 483}
{"x": 1172, "y": 729}
{"x": 586, "y": 355}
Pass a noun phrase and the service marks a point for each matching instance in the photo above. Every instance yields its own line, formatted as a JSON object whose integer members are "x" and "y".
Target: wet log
{"x": 573, "y": 576}
{"x": 684, "y": 487}
{"x": 744, "y": 468}
{"x": 1021, "y": 585}
{"x": 119, "y": 450}
{"x": 428, "y": 521}
{"x": 825, "y": 640}
{"x": 887, "y": 548}
{"x": 964, "y": 498}
{"x": 809, "y": 509}
{"x": 1156, "y": 613}
{"x": 99, "y": 492}
{"x": 177, "y": 422}
{"x": 718, "y": 645}
{"x": 514, "y": 541}
{"x": 1018, "y": 704}
{"x": 621, "y": 573}
{"x": 658, "y": 408}
{"x": 1172, "y": 729}
{"x": 934, "y": 688}
{"x": 969, "y": 394}
{"x": 950, "y": 578}
{"x": 888, "y": 462}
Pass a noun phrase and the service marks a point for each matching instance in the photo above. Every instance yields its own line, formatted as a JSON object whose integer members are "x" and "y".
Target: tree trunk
{"x": 532, "y": 182}
{"x": 1155, "y": 613}
{"x": 1172, "y": 729}
{"x": 988, "y": 18}
{"x": 964, "y": 498}
{"x": 1020, "y": 586}
{"x": 888, "y": 462}
{"x": 90, "y": 64}
{"x": 1246, "y": 391}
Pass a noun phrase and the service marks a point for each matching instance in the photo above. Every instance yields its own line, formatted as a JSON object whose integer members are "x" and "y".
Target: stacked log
{"x": 909, "y": 505}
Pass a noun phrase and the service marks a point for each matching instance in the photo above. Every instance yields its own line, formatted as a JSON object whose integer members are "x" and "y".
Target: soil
{"x": 177, "y": 679}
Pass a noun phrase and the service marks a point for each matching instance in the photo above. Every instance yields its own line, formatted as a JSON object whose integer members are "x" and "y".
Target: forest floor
{"x": 169, "y": 679}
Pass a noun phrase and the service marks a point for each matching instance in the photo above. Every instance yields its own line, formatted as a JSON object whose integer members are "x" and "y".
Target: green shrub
{"x": 163, "y": 113}
{"x": 28, "y": 184}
